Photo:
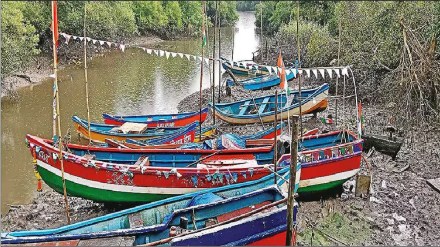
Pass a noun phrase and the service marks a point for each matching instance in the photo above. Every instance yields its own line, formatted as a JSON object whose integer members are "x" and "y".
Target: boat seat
{"x": 263, "y": 105}
{"x": 244, "y": 108}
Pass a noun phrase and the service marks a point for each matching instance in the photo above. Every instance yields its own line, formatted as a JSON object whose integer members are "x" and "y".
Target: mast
{"x": 56, "y": 103}
{"x": 85, "y": 74}
{"x": 299, "y": 66}
{"x": 201, "y": 70}
{"x": 213, "y": 67}
{"x": 219, "y": 55}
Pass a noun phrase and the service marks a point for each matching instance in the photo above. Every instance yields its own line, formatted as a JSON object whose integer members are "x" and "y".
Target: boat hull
{"x": 383, "y": 144}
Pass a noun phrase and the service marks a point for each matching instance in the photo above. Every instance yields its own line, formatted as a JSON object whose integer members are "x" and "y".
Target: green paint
{"x": 97, "y": 195}
{"x": 321, "y": 187}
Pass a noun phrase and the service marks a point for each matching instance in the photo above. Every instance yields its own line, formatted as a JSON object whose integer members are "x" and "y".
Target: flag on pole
{"x": 54, "y": 24}
{"x": 282, "y": 73}
{"x": 361, "y": 119}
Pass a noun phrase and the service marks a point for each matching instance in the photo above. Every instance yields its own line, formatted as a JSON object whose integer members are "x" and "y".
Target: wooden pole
{"x": 299, "y": 66}
{"x": 233, "y": 40}
{"x": 57, "y": 104}
{"x": 219, "y": 55}
{"x": 292, "y": 179}
{"x": 201, "y": 71}
{"x": 275, "y": 155}
{"x": 337, "y": 78}
{"x": 213, "y": 67}
{"x": 261, "y": 27}
{"x": 85, "y": 74}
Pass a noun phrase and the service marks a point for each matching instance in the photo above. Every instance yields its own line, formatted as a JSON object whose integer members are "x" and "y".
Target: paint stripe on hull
{"x": 326, "y": 182}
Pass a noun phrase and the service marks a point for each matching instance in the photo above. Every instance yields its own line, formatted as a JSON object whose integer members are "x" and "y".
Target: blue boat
{"x": 260, "y": 82}
{"x": 262, "y": 109}
{"x": 208, "y": 217}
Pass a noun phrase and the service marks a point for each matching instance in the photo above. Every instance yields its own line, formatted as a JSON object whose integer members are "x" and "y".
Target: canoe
{"x": 159, "y": 120}
{"x": 100, "y": 132}
{"x": 261, "y": 150}
{"x": 183, "y": 135}
{"x": 249, "y": 111}
{"x": 383, "y": 144}
{"x": 325, "y": 166}
{"x": 259, "y": 82}
{"x": 244, "y": 67}
{"x": 239, "y": 214}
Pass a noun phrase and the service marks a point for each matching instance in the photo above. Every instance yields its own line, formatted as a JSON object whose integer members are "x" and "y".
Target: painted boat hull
{"x": 261, "y": 82}
{"x": 316, "y": 102}
{"x": 165, "y": 120}
{"x": 383, "y": 144}
{"x": 237, "y": 70}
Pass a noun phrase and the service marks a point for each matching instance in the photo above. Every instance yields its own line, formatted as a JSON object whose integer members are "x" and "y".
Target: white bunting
{"x": 322, "y": 71}
{"x": 161, "y": 53}
{"x": 149, "y": 51}
{"x": 74, "y": 37}
{"x": 288, "y": 72}
{"x": 201, "y": 59}
{"x": 122, "y": 47}
{"x": 345, "y": 71}
{"x": 67, "y": 38}
{"x": 94, "y": 41}
{"x": 81, "y": 38}
{"x": 315, "y": 72}
{"x": 167, "y": 54}
{"x": 188, "y": 57}
{"x": 308, "y": 72}
{"x": 329, "y": 71}
{"x": 207, "y": 61}
{"x": 173, "y": 54}
{"x": 275, "y": 69}
{"x": 269, "y": 69}
{"x": 337, "y": 72}
{"x": 88, "y": 39}
{"x": 101, "y": 42}
{"x": 180, "y": 54}
{"x": 294, "y": 72}
{"x": 300, "y": 71}
{"x": 109, "y": 44}
{"x": 156, "y": 52}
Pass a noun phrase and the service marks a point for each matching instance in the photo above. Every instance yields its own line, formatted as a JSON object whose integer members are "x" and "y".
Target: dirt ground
{"x": 402, "y": 209}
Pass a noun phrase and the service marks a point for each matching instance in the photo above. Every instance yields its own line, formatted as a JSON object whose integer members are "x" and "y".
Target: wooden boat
{"x": 239, "y": 214}
{"x": 383, "y": 144}
{"x": 243, "y": 69}
{"x": 159, "y": 120}
{"x": 259, "y": 82}
{"x": 100, "y": 132}
{"x": 263, "y": 108}
{"x": 327, "y": 160}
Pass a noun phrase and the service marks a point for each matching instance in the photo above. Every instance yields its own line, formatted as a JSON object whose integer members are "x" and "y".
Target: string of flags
{"x": 317, "y": 72}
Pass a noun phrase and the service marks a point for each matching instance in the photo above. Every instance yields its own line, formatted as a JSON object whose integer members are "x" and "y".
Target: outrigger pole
{"x": 56, "y": 103}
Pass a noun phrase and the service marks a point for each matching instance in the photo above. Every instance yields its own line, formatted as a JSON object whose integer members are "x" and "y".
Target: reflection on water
{"x": 130, "y": 82}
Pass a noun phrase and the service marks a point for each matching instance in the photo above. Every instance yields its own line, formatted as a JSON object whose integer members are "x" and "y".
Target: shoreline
{"x": 40, "y": 68}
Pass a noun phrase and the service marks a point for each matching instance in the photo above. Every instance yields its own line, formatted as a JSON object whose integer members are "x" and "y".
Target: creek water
{"x": 130, "y": 82}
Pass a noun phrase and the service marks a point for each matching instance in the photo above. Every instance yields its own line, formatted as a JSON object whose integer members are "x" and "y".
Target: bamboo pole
{"x": 261, "y": 27}
{"x": 201, "y": 71}
{"x": 299, "y": 66}
{"x": 219, "y": 55}
{"x": 85, "y": 74}
{"x": 275, "y": 155}
{"x": 57, "y": 104}
{"x": 292, "y": 179}
{"x": 337, "y": 78}
{"x": 213, "y": 67}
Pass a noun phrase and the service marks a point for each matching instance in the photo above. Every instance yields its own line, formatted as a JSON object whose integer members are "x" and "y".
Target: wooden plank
{"x": 114, "y": 241}
{"x": 263, "y": 105}
{"x": 244, "y": 108}
{"x": 434, "y": 183}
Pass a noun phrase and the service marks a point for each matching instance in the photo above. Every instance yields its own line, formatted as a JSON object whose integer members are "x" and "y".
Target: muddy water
{"x": 130, "y": 82}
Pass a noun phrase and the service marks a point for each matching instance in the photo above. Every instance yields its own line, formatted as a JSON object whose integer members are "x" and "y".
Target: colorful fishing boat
{"x": 259, "y": 82}
{"x": 244, "y": 67}
{"x": 239, "y": 214}
{"x": 262, "y": 109}
{"x": 137, "y": 131}
{"x": 158, "y": 120}
{"x": 183, "y": 135}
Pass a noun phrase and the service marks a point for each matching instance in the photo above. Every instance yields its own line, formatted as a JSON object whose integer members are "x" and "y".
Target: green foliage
{"x": 174, "y": 14}
{"x": 226, "y": 11}
{"x": 150, "y": 16}
{"x": 246, "y": 5}
{"x": 19, "y": 39}
{"x": 191, "y": 15}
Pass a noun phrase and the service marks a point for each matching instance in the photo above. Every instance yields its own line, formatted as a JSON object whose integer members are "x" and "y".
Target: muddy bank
{"x": 401, "y": 210}
{"x": 41, "y": 66}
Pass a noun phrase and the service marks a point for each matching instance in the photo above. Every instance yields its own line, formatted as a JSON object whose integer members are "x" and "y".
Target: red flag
{"x": 282, "y": 72}
{"x": 54, "y": 25}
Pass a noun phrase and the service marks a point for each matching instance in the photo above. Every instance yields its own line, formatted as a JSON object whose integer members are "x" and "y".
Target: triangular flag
{"x": 315, "y": 72}
{"x": 109, "y": 44}
{"x": 322, "y": 71}
{"x": 288, "y": 72}
{"x": 144, "y": 49}
{"x": 269, "y": 69}
{"x": 345, "y": 71}
{"x": 187, "y": 56}
{"x": 194, "y": 57}
{"x": 180, "y": 54}
{"x": 74, "y": 37}
{"x": 156, "y": 52}
{"x": 167, "y": 54}
{"x": 200, "y": 58}
{"x": 294, "y": 72}
{"x": 300, "y": 71}
{"x": 67, "y": 38}
{"x": 275, "y": 69}
{"x": 173, "y": 54}
{"x": 88, "y": 39}
{"x": 329, "y": 71}
{"x": 308, "y": 72}
{"x": 122, "y": 47}
{"x": 81, "y": 38}
{"x": 101, "y": 42}
{"x": 149, "y": 51}
{"x": 94, "y": 41}
{"x": 161, "y": 53}
{"x": 337, "y": 72}
{"x": 207, "y": 61}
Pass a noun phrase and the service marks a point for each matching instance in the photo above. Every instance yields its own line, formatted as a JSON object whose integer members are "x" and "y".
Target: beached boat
{"x": 244, "y": 67}
{"x": 259, "y": 82}
{"x": 384, "y": 144}
{"x": 240, "y": 214}
{"x": 137, "y": 131}
{"x": 158, "y": 120}
{"x": 262, "y": 109}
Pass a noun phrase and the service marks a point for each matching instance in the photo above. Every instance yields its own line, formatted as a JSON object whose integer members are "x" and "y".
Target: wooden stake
{"x": 201, "y": 72}
{"x": 299, "y": 66}
{"x": 213, "y": 67}
{"x": 219, "y": 55}
{"x": 57, "y": 108}
{"x": 275, "y": 155}
{"x": 85, "y": 74}
{"x": 261, "y": 27}
{"x": 292, "y": 179}
{"x": 337, "y": 78}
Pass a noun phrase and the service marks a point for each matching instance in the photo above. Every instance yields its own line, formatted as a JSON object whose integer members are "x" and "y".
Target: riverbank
{"x": 402, "y": 208}
{"x": 41, "y": 66}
